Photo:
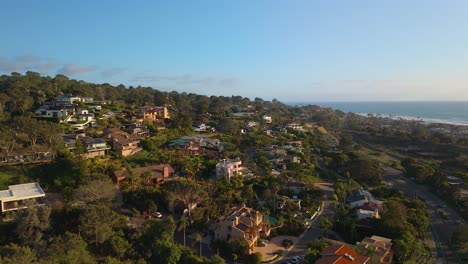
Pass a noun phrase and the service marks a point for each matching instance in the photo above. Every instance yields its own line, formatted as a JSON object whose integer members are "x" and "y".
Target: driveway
{"x": 274, "y": 245}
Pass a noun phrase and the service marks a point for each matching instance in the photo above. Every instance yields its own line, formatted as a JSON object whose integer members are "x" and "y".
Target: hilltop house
{"x": 379, "y": 249}
{"x": 242, "y": 223}
{"x": 20, "y": 196}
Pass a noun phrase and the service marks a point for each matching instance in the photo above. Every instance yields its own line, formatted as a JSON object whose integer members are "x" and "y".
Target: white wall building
{"x": 228, "y": 168}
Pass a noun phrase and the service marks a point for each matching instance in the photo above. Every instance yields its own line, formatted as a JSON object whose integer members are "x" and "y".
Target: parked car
{"x": 157, "y": 215}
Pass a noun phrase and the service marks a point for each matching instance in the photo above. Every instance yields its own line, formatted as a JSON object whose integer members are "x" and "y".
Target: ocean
{"x": 431, "y": 112}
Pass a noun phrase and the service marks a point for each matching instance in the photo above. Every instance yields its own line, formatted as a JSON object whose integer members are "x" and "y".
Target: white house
{"x": 295, "y": 126}
{"x": 68, "y": 99}
{"x": 267, "y": 119}
{"x": 228, "y": 168}
{"x": 54, "y": 112}
{"x": 17, "y": 196}
{"x": 360, "y": 197}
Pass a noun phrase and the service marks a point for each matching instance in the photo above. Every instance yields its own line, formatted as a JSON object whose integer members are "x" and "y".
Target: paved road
{"x": 443, "y": 219}
{"x": 313, "y": 232}
{"x": 443, "y": 226}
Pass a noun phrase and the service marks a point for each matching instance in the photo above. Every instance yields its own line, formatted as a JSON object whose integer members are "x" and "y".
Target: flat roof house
{"x": 17, "y": 196}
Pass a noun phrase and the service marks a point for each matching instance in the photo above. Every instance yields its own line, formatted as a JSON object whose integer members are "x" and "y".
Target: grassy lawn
{"x": 389, "y": 161}
{"x": 139, "y": 159}
{"x": 8, "y": 175}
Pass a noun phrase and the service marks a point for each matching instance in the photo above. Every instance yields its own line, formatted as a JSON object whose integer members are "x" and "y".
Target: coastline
{"x": 418, "y": 119}
{"x": 428, "y": 112}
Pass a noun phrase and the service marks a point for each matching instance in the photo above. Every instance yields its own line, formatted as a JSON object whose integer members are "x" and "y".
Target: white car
{"x": 157, "y": 215}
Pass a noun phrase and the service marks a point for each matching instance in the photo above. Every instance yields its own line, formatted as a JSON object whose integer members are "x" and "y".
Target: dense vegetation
{"x": 87, "y": 216}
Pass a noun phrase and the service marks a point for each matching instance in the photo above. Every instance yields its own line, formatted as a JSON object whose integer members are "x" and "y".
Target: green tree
{"x": 216, "y": 259}
{"x": 14, "y": 254}
{"x": 31, "y": 225}
{"x": 325, "y": 224}
{"x": 97, "y": 223}
{"x": 100, "y": 190}
{"x": 187, "y": 192}
{"x": 254, "y": 258}
{"x": 69, "y": 249}
{"x": 197, "y": 238}
{"x": 119, "y": 246}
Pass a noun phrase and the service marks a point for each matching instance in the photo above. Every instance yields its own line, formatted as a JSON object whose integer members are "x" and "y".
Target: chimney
{"x": 165, "y": 171}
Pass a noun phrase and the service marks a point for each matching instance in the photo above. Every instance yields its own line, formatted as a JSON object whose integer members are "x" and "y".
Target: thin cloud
{"x": 228, "y": 82}
{"x": 45, "y": 67}
{"x": 74, "y": 69}
{"x": 28, "y": 58}
{"x": 26, "y": 63}
{"x": 185, "y": 80}
{"x": 112, "y": 72}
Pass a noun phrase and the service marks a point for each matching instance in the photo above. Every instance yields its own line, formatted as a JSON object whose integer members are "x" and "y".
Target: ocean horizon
{"x": 447, "y": 112}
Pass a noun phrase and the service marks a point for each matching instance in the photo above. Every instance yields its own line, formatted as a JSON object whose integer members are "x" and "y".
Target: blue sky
{"x": 290, "y": 50}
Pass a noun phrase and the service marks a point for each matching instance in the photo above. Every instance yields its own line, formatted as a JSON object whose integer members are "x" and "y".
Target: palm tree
{"x": 183, "y": 223}
{"x": 197, "y": 237}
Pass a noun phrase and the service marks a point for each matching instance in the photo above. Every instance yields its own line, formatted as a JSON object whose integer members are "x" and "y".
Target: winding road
{"x": 313, "y": 232}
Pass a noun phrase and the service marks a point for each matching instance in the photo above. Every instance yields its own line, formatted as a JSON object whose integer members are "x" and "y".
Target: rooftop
{"x": 21, "y": 191}
{"x": 340, "y": 254}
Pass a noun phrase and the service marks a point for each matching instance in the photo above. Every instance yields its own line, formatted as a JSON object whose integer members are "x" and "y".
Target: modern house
{"x": 295, "y": 126}
{"x": 341, "y": 254}
{"x": 155, "y": 174}
{"x": 379, "y": 249}
{"x": 20, "y": 196}
{"x": 227, "y": 168}
{"x": 136, "y": 129}
{"x": 93, "y": 147}
{"x": 202, "y": 127}
{"x": 242, "y": 223}
{"x": 360, "y": 196}
{"x": 267, "y": 119}
{"x": 368, "y": 210}
{"x": 54, "y": 111}
{"x": 69, "y": 99}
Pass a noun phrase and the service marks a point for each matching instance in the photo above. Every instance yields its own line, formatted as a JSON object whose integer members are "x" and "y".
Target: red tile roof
{"x": 340, "y": 254}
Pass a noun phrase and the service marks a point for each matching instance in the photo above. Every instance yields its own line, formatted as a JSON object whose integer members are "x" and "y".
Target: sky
{"x": 294, "y": 51}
